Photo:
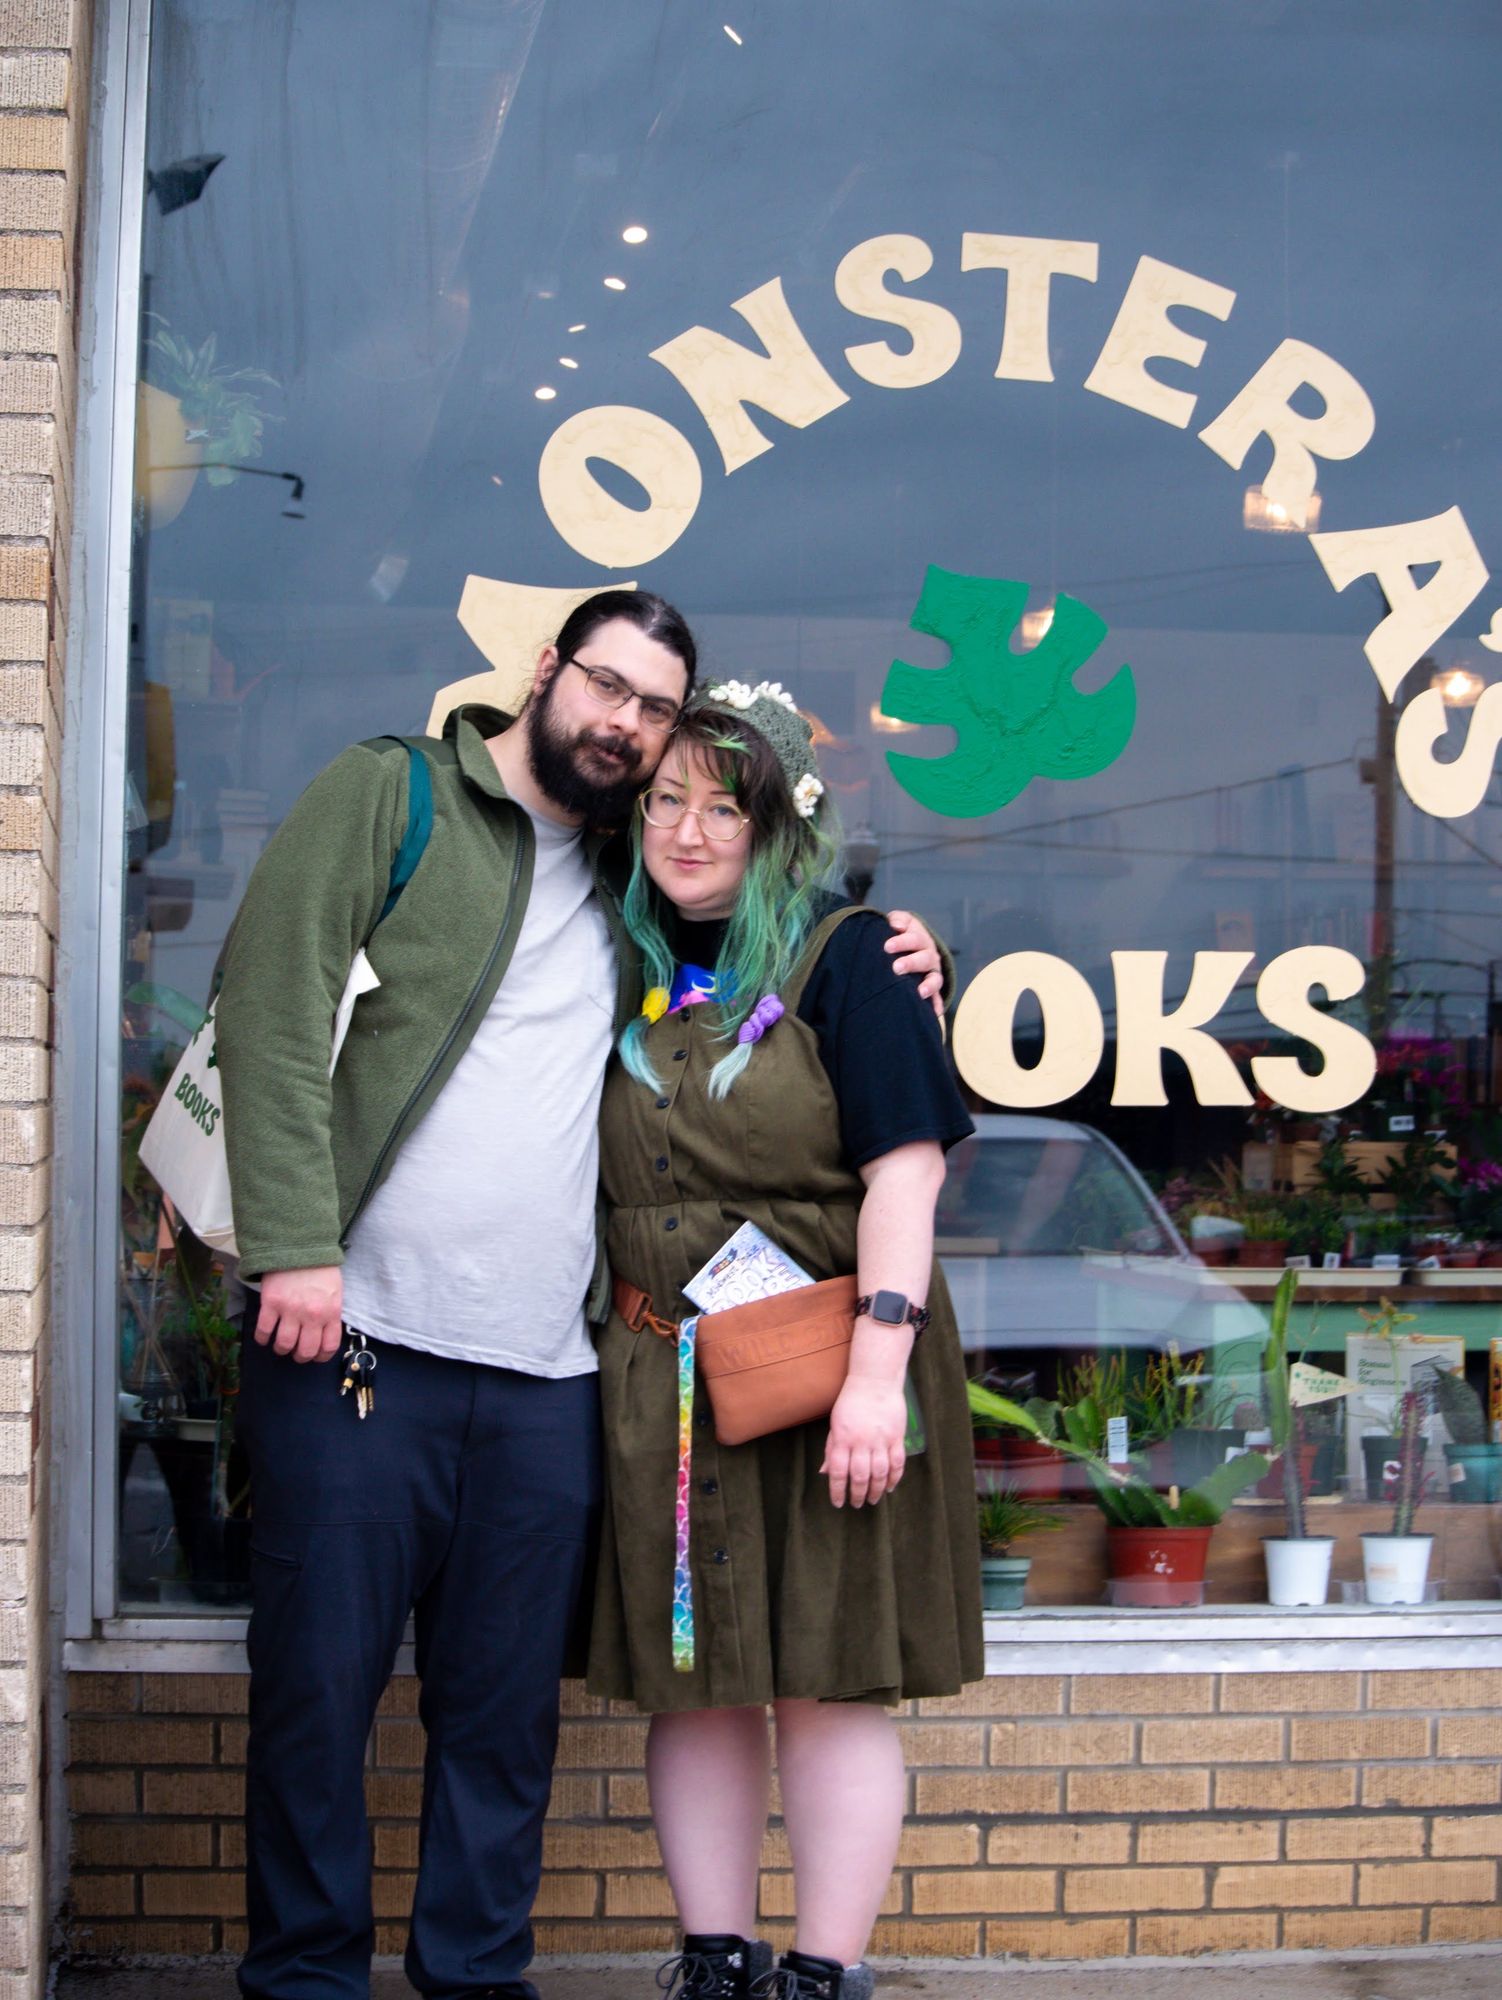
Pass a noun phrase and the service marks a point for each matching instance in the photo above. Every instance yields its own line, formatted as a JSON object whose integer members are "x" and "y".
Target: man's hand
{"x": 918, "y": 953}
{"x": 864, "y": 1455}
{"x": 300, "y": 1312}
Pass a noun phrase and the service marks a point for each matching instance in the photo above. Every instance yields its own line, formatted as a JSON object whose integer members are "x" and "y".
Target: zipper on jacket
{"x": 507, "y": 929}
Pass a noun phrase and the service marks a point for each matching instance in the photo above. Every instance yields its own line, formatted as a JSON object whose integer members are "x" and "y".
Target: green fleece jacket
{"x": 307, "y": 1151}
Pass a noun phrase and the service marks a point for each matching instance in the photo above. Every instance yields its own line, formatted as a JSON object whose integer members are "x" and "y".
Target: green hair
{"x": 777, "y": 907}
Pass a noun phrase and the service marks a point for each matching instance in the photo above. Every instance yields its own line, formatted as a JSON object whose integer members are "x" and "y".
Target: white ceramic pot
{"x": 1298, "y": 1572}
{"x": 1396, "y": 1566}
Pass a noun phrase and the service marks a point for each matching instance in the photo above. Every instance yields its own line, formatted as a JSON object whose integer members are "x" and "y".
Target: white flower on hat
{"x": 775, "y": 691}
{"x": 734, "y": 694}
{"x": 806, "y": 795}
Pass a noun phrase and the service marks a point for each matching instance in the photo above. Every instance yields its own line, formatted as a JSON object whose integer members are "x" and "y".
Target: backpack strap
{"x": 419, "y": 825}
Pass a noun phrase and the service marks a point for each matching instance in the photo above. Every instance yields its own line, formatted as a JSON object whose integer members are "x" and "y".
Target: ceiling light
{"x": 545, "y": 394}
{"x": 634, "y": 234}
{"x": 565, "y": 362}
{"x": 888, "y": 725}
{"x": 1458, "y": 687}
{"x": 734, "y": 36}
{"x": 1035, "y": 624}
{"x": 580, "y": 328}
{"x": 496, "y": 480}
{"x": 1271, "y": 517}
{"x": 615, "y": 284}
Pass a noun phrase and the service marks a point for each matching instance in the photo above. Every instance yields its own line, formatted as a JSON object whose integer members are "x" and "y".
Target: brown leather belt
{"x": 635, "y": 1308}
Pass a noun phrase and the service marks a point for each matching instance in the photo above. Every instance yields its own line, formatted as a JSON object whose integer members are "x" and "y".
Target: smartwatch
{"x": 892, "y": 1309}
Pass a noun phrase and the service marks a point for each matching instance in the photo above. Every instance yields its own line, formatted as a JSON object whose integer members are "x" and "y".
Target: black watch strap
{"x": 892, "y": 1309}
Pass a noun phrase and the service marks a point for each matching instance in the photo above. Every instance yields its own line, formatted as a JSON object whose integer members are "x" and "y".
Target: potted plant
{"x": 1004, "y": 1517}
{"x": 1176, "y": 1401}
{"x": 1156, "y": 1543}
{"x": 191, "y": 412}
{"x": 1396, "y": 1564}
{"x": 1381, "y": 1451}
{"x": 1265, "y": 1238}
{"x": 1470, "y": 1452}
{"x": 1298, "y": 1563}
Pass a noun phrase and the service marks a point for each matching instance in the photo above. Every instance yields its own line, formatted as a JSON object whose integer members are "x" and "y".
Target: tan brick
{"x": 401, "y": 1696}
{"x": 103, "y": 1895}
{"x": 1349, "y": 1739}
{"x": 1426, "y": 1881}
{"x": 1009, "y": 1694}
{"x": 31, "y": 326}
{"x": 140, "y": 1740}
{"x": 1072, "y": 1843}
{"x": 1142, "y": 1694}
{"x": 103, "y": 1791}
{"x": 401, "y": 1745}
{"x": 577, "y": 1797}
{"x": 21, "y": 821}
{"x": 1467, "y": 1833}
{"x": 103, "y": 1694}
{"x": 28, "y": 387}
{"x": 601, "y": 1746}
{"x": 1288, "y": 1694}
{"x": 214, "y": 1894}
{"x": 1465, "y": 1926}
{"x": 1132, "y": 1792}
{"x": 195, "y": 1694}
{"x": 1055, "y": 1744}
{"x": 1212, "y": 1740}
{"x": 1208, "y": 1840}
{"x": 396, "y": 1847}
{"x": 33, "y": 201}
{"x": 1189, "y": 1936}
{"x": 111, "y": 1940}
{"x": 570, "y": 1935}
{"x": 894, "y": 1937}
{"x": 1299, "y": 1885}
{"x": 393, "y": 1794}
{"x": 140, "y": 1843}
{"x": 36, "y": 143}
{"x": 391, "y": 1894}
{"x": 626, "y": 1798}
{"x": 35, "y": 24}
{"x": 1432, "y": 1785}
{"x": 1352, "y": 1930}
{"x": 1362, "y": 1837}
{"x": 626, "y": 1896}
{"x": 1090, "y": 1937}
{"x": 944, "y": 1794}
{"x": 34, "y": 82}
{"x": 927, "y": 1743}
{"x": 1134, "y": 1889}
{"x": 1467, "y": 1736}
{"x": 941, "y": 1847}
{"x": 1454, "y": 1687}
{"x": 31, "y": 264}
{"x": 206, "y": 1794}
{"x": 231, "y": 1842}
{"x": 600, "y": 1847}
{"x": 986, "y": 1891}
{"x": 1278, "y": 1791}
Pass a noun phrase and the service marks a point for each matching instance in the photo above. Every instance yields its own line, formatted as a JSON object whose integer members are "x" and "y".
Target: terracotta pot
{"x": 1157, "y": 1566}
{"x": 1264, "y": 1256}
{"x": 1034, "y": 1468}
{"x": 1463, "y": 1260}
{"x": 166, "y": 463}
{"x": 1491, "y": 1255}
{"x": 988, "y": 1451}
{"x": 1214, "y": 1253}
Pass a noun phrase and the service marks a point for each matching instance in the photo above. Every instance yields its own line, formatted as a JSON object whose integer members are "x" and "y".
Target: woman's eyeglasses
{"x": 716, "y": 822}
{"x": 610, "y": 691}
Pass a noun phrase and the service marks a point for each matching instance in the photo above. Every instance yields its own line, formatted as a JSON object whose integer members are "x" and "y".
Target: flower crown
{"x": 773, "y": 714}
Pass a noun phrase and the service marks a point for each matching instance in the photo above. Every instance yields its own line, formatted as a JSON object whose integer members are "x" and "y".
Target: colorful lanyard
{"x": 683, "y": 1579}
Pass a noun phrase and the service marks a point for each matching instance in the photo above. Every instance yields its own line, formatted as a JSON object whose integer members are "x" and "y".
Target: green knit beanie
{"x": 771, "y": 711}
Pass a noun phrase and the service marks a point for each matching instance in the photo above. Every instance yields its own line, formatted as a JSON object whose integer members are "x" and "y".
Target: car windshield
{"x": 1044, "y": 1197}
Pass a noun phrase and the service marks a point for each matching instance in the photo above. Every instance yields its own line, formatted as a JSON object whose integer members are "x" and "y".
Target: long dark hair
{"x": 652, "y": 616}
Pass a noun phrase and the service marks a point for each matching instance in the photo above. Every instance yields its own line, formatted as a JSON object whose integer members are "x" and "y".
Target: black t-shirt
{"x": 878, "y": 1040}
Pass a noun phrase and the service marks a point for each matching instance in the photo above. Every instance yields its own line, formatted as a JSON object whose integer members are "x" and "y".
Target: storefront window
{"x": 960, "y": 338}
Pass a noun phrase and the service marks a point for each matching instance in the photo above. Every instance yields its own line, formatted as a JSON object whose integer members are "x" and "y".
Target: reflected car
{"x": 1051, "y": 1240}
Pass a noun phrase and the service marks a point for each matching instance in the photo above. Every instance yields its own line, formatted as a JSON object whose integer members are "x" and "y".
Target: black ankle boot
{"x": 715, "y": 1967}
{"x": 801, "y": 1976}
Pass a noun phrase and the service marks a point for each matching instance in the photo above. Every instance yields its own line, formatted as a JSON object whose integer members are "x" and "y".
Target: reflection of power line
{"x": 294, "y": 498}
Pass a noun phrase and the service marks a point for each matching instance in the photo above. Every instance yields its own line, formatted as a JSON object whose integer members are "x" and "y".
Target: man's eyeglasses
{"x": 665, "y": 809}
{"x": 610, "y": 691}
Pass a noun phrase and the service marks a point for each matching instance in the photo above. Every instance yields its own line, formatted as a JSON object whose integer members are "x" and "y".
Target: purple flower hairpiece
{"x": 767, "y": 1012}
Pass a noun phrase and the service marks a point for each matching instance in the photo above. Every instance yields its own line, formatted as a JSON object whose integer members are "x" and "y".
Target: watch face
{"x": 890, "y": 1308}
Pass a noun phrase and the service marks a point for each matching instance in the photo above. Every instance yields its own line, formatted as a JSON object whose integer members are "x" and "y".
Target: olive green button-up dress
{"x": 793, "y": 1597}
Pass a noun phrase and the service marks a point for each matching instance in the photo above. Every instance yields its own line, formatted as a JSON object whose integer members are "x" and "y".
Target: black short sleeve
{"x": 880, "y": 1046}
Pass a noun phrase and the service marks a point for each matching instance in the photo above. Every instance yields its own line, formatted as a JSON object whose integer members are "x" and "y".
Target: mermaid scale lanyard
{"x": 683, "y": 1581}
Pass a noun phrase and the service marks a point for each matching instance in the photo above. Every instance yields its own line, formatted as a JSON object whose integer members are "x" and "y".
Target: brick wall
{"x": 43, "y": 120}
{"x": 1090, "y": 1817}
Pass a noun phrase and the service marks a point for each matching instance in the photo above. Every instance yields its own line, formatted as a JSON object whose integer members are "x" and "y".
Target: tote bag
{"x": 183, "y": 1146}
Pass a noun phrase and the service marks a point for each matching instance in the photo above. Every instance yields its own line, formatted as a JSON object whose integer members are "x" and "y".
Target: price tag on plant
{"x": 1116, "y": 1440}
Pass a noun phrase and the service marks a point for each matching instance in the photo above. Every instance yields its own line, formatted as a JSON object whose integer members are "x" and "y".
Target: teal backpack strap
{"x": 419, "y": 825}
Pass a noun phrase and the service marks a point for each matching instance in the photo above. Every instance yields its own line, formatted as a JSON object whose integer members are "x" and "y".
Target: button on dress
{"x": 793, "y": 1597}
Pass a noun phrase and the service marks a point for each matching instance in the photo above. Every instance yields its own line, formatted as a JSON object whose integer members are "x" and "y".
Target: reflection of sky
{"x": 394, "y": 203}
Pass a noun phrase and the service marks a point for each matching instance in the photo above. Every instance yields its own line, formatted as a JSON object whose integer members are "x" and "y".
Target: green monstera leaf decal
{"x": 1018, "y": 716}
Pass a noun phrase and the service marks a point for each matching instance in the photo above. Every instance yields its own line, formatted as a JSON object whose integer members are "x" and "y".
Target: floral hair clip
{"x": 767, "y": 1012}
{"x": 806, "y": 795}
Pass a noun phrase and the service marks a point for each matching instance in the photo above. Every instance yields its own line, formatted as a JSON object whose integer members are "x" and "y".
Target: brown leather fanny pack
{"x": 768, "y": 1365}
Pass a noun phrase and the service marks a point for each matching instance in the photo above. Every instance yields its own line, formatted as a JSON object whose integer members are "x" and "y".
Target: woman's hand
{"x": 864, "y": 1454}
{"x": 912, "y": 946}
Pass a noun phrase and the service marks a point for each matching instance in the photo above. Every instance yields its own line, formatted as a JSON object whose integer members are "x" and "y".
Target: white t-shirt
{"x": 480, "y": 1243}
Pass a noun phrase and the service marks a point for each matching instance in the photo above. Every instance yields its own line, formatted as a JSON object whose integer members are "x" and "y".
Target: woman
{"x": 829, "y": 1571}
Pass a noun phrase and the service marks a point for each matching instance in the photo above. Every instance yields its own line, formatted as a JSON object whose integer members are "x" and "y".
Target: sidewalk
{"x": 1458, "y": 1972}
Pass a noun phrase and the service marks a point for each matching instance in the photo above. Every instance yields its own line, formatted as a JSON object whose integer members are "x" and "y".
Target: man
{"x": 427, "y": 1215}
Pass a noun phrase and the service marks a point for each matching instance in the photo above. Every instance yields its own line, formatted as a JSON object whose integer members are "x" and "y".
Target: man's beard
{"x": 565, "y": 768}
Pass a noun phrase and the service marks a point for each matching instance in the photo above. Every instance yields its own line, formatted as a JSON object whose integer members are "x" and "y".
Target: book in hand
{"x": 748, "y": 1266}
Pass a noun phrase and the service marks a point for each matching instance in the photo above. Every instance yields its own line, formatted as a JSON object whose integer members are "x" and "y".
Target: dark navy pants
{"x": 470, "y": 1496}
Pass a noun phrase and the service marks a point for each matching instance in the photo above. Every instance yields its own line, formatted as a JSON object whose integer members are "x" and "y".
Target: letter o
{"x": 646, "y": 447}
{"x": 1074, "y": 1034}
